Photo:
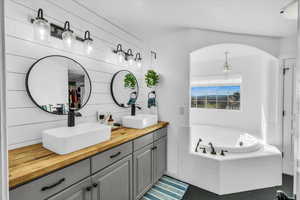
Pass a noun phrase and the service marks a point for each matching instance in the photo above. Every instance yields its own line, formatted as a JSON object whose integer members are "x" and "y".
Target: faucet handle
{"x": 223, "y": 152}
{"x": 138, "y": 106}
{"x": 78, "y": 114}
{"x": 204, "y": 149}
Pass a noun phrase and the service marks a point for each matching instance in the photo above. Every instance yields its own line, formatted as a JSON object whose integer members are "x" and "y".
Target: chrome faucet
{"x": 213, "y": 151}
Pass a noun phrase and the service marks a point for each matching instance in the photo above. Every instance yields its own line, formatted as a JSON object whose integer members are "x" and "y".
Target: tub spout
{"x": 213, "y": 151}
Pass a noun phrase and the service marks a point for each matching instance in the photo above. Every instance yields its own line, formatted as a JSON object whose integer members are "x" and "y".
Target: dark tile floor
{"x": 195, "y": 193}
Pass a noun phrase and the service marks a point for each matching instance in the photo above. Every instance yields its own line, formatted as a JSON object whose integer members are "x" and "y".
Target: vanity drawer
{"x": 142, "y": 141}
{"x": 53, "y": 183}
{"x": 108, "y": 157}
{"x": 160, "y": 133}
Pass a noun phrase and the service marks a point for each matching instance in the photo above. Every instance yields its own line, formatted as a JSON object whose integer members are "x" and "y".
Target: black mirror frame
{"x": 111, "y": 88}
{"x": 32, "y": 66}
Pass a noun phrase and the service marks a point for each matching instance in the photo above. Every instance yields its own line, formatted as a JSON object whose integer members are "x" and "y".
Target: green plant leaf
{"x": 151, "y": 78}
{"x": 129, "y": 81}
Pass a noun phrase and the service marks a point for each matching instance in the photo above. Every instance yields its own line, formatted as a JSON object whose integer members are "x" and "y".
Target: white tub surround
{"x": 238, "y": 172}
{"x": 231, "y": 140}
{"x": 252, "y": 166}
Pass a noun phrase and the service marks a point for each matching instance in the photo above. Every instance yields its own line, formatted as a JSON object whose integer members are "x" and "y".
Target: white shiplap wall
{"x": 25, "y": 121}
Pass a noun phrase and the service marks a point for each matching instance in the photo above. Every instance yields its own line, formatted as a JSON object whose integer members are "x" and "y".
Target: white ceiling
{"x": 145, "y": 18}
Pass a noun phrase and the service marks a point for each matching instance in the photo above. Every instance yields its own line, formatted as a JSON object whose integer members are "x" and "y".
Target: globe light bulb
{"x": 119, "y": 54}
{"x": 130, "y": 61}
{"x": 88, "y": 46}
{"x": 120, "y": 57}
{"x": 68, "y": 36}
{"x": 139, "y": 64}
{"x": 41, "y": 27}
{"x": 138, "y": 60}
{"x": 129, "y": 57}
{"x": 88, "y": 42}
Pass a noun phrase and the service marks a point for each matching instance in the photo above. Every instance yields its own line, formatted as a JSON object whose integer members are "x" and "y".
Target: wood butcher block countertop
{"x": 31, "y": 162}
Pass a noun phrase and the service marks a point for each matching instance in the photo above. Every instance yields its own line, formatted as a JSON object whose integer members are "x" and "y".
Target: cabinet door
{"x": 79, "y": 191}
{"x": 143, "y": 171}
{"x": 160, "y": 158}
{"x": 114, "y": 182}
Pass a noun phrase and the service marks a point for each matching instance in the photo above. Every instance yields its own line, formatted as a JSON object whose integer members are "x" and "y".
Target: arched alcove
{"x": 256, "y": 75}
{"x": 236, "y": 48}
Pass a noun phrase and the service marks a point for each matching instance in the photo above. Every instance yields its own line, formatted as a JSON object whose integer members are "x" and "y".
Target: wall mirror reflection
{"x": 57, "y": 84}
{"x": 124, "y": 88}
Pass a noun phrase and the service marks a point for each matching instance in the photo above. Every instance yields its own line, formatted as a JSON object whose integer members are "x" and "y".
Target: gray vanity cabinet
{"x": 160, "y": 158}
{"x": 143, "y": 170}
{"x": 114, "y": 182}
{"x": 79, "y": 191}
{"x": 149, "y": 161}
{"x": 125, "y": 172}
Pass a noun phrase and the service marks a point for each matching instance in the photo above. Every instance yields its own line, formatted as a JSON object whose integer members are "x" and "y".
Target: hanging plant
{"x": 129, "y": 81}
{"x": 151, "y": 78}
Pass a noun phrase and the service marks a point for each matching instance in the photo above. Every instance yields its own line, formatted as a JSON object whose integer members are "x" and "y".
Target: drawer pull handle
{"x": 54, "y": 185}
{"x": 95, "y": 184}
{"x": 153, "y": 148}
{"x": 115, "y": 155}
{"x": 89, "y": 188}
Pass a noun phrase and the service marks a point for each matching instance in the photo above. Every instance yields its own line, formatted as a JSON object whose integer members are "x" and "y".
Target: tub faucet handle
{"x": 204, "y": 149}
{"x": 223, "y": 152}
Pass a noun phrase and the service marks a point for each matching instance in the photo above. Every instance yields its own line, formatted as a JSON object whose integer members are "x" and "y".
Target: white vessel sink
{"x": 139, "y": 121}
{"x": 65, "y": 140}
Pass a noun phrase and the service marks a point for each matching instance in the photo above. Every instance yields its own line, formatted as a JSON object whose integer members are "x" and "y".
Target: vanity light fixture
{"x": 129, "y": 57}
{"x": 43, "y": 30}
{"x": 120, "y": 53}
{"x": 227, "y": 67}
{"x": 88, "y": 42}
{"x": 68, "y": 35}
{"x": 138, "y": 59}
{"x": 41, "y": 26}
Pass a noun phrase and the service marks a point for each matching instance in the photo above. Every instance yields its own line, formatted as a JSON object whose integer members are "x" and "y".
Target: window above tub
{"x": 222, "y": 94}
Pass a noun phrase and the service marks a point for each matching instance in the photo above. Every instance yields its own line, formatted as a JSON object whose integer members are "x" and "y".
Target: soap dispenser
{"x": 110, "y": 120}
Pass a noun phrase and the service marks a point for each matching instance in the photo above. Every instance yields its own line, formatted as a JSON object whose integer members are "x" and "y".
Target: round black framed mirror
{"x": 124, "y": 88}
{"x": 57, "y": 84}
